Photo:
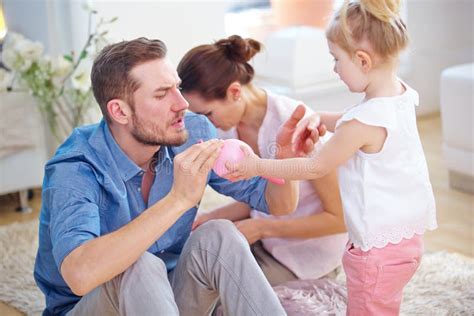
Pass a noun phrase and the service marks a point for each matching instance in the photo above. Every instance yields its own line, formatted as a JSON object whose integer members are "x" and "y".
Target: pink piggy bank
{"x": 232, "y": 152}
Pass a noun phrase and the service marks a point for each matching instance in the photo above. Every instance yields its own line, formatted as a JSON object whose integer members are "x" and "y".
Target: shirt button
{"x": 162, "y": 251}
{"x": 139, "y": 189}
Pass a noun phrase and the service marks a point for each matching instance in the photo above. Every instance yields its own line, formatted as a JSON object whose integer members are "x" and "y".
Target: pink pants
{"x": 376, "y": 278}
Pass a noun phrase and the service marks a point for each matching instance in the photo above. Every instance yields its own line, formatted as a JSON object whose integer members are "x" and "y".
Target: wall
{"x": 61, "y": 25}
{"x": 441, "y": 35}
{"x": 180, "y": 24}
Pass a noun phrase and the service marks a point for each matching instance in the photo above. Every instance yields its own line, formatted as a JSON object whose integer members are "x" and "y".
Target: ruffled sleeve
{"x": 374, "y": 112}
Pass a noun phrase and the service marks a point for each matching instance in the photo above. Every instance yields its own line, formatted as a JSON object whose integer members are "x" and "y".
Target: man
{"x": 119, "y": 199}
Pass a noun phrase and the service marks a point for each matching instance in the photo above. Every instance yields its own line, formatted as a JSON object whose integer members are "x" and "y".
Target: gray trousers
{"x": 215, "y": 264}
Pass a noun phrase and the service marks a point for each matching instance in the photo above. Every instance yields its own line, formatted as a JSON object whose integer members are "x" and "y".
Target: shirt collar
{"x": 164, "y": 154}
{"x": 106, "y": 146}
{"x": 126, "y": 167}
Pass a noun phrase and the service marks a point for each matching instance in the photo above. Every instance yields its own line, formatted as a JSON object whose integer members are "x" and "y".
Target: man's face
{"x": 158, "y": 106}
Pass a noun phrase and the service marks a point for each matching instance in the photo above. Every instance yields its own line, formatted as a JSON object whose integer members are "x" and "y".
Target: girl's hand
{"x": 245, "y": 168}
{"x": 251, "y": 229}
{"x": 307, "y": 128}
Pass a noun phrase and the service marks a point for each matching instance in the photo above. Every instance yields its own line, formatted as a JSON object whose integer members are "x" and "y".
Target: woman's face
{"x": 223, "y": 113}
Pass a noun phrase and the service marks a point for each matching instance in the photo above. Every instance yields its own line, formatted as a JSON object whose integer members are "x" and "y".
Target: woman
{"x": 308, "y": 244}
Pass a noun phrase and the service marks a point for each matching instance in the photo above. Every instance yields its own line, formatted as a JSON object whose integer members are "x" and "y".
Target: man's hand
{"x": 251, "y": 229}
{"x": 191, "y": 169}
{"x": 292, "y": 145}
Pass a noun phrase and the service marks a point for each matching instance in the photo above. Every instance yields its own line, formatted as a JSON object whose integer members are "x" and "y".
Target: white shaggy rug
{"x": 443, "y": 285}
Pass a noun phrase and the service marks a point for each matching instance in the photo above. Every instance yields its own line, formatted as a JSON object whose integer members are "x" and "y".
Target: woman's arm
{"x": 234, "y": 211}
{"x": 328, "y": 222}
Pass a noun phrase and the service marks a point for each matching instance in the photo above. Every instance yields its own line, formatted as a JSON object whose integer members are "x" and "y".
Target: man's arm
{"x": 101, "y": 259}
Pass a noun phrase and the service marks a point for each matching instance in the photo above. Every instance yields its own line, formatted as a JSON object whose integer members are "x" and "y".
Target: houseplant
{"x": 59, "y": 84}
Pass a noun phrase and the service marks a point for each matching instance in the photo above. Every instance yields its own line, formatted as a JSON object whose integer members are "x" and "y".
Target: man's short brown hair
{"x": 110, "y": 74}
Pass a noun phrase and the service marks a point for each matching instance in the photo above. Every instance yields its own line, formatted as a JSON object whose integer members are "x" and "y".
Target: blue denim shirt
{"x": 92, "y": 188}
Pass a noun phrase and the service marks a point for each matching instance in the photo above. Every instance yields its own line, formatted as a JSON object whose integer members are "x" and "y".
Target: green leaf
{"x": 115, "y": 18}
{"x": 68, "y": 58}
{"x": 83, "y": 54}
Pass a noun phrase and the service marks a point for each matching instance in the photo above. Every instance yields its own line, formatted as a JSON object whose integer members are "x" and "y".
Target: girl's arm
{"x": 330, "y": 221}
{"x": 329, "y": 119}
{"x": 346, "y": 141}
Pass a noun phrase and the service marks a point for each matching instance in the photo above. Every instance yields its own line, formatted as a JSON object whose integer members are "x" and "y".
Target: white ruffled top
{"x": 387, "y": 196}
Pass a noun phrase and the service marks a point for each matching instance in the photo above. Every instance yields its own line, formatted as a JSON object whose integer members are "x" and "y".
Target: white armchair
{"x": 457, "y": 96}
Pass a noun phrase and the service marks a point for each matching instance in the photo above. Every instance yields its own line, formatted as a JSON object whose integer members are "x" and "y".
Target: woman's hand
{"x": 201, "y": 219}
{"x": 251, "y": 228}
{"x": 306, "y": 131}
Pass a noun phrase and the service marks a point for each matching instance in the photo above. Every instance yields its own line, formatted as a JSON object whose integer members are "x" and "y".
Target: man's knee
{"x": 147, "y": 281}
{"x": 147, "y": 271}
{"x": 216, "y": 233}
{"x": 148, "y": 264}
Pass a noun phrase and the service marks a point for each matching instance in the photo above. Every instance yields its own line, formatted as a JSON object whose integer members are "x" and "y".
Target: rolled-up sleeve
{"x": 71, "y": 201}
{"x": 74, "y": 220}
{"x": 251, "y": 192}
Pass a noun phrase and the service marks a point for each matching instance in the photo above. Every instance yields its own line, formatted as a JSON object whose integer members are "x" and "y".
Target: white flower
{"x": 87, "y": 5}
{"x": 30, "y": 51}
{"x": 11, "y": 40}
{"x": 9, "y": 58}
{"x": 60, "y": 67}
{"x": 19, "y": 53}
{"x": 5, "y": 79}
{"x": 81, "y": 80}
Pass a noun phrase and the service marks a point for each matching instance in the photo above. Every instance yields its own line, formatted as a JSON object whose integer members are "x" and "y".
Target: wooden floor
{"x": 455, "y": 209}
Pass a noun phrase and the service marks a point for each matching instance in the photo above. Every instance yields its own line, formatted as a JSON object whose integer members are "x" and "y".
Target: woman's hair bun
{"x": 238, "y": 49}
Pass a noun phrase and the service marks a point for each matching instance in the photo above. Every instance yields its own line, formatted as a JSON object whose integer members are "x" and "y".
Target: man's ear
{"x": 363, "y": 60}
{"x": 234, "y": 91}
{"x": 119, "y": 111}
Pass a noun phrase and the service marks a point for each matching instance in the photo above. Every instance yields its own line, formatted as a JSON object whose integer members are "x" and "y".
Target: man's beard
{"x": 155, "y": 137}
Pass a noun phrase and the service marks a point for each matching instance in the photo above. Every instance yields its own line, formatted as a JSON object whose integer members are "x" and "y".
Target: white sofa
{"x": 457, "y": 114}
{"x": 23, "y": 150}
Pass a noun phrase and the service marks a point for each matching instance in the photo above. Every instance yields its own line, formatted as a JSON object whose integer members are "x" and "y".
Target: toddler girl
{"x": 387, "y": 196}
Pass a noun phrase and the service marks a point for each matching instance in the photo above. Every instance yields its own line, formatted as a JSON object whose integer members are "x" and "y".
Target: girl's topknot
{"x": 376, "y": 21}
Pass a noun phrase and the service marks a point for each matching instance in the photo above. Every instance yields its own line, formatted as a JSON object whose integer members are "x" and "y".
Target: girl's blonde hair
{"x": 376, "y": 21}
